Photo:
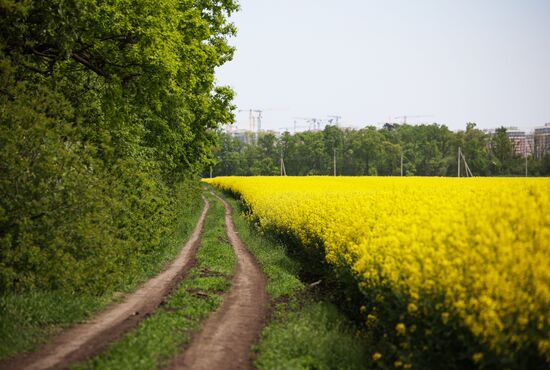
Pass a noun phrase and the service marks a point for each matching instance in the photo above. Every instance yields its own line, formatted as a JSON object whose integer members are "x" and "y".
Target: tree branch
{"x": 45, "y": 55}
{"x": 85, "y": 62}
{"x": 35, "y": 69}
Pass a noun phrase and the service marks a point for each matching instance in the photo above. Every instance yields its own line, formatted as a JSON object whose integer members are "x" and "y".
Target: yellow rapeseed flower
{"x": 412, "y": 308}
{"x": 477, "y": 357}
{"x": 400, "y": 329}
{"x": 479, "y": 244}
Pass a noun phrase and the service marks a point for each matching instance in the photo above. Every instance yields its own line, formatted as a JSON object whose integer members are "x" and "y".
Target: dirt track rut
{"x": 226, "y": 338}
{"x": 92, "y": 337}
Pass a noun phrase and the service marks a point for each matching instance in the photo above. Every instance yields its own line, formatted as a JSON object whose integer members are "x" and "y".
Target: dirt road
{"x": 227, "y": 336}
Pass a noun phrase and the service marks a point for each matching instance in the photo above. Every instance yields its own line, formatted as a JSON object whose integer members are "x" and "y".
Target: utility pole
{"x": 525, "y": 164}
{"x": 210, "y": 171}
{"x": 459, "y": 153}
{"x": 466, "y": 167}
{"x": 334, "y": 161}
{"x": 283, "y": 169}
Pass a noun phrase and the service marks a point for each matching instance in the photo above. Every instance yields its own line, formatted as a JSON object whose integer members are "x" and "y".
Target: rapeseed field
{"x": 435, "y": 258}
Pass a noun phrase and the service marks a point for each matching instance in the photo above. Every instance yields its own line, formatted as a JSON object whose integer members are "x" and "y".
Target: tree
{"x": 307, "y": 155}
{"x": 503, "y": 152}
{"x": 228, "y": 155}
{"x": 545, "y": 166}
{"x": 475, "y": 145}
{"x": 107, "y": 108}
{"x": 365, "y": 145}
{"x": 427, "y": 150}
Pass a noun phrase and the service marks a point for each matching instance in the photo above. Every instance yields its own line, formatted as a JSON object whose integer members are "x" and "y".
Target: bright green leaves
{"x": 106, "y": 106}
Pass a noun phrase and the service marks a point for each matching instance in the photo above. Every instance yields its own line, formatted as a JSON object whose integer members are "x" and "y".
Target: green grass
{"x": 306, "y": 330}
{"x": 29, "y": 319}
{"x": 162, "y": 335}
{"x": 314, "y": 335}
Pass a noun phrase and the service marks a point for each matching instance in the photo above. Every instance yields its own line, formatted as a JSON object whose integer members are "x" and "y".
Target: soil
{"x": 229, "y": 333}
{"x": 92, "y": 337}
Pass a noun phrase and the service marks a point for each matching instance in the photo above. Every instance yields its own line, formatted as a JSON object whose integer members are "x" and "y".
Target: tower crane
{"x": 254, "y": 118}
{"x": 404, "y": 118}
{"x": 335, "y": 119}
{"x": 313, "y": 123}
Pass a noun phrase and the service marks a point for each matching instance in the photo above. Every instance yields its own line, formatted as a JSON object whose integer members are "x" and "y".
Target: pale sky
{"x": 450, "y": 61}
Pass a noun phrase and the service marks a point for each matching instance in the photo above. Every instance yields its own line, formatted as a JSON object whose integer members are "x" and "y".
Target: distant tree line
{"x": 423, "y": 150}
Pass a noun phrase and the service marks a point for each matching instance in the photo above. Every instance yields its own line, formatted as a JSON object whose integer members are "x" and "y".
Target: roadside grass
{"x": 313, "y": 335}
{"x": 161, "y": 336}
{"x": 30, "y": 319}
{"x": 306, "y": 330}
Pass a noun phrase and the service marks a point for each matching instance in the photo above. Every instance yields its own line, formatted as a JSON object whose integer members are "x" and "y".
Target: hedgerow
{"x": 106, "y": 116}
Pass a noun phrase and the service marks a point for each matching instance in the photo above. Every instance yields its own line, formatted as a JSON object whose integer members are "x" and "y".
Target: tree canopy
{"x": 106, "y": 109}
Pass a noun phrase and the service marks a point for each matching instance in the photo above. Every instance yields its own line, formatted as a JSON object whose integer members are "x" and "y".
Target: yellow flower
{"x": 411, "y": 307}
{"x": 471, "y": 241}
{"x": 400, "y": 329}
{"x": 477, "y": 357}
{"x": 376, "y": 356}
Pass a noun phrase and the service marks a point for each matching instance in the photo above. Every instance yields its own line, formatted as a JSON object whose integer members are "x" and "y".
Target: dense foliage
{"x": 453, "y": 272}
{"x": 428, "y": 150}
{"x": 106, "y": 116}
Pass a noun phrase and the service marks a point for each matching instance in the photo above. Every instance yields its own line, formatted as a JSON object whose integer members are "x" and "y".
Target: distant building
{"x": 530, "y": 138}
{"x": 523, "y": 143}
{"x": 245, "y": 136}
{"x": 249, "y": 137}
{"x": 520, "y": 140}
{"x": 541, "y": 139}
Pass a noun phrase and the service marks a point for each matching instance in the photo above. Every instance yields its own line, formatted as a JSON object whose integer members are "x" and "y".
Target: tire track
{"x": 228, "y": 334}
{"x": 92, "y": 337}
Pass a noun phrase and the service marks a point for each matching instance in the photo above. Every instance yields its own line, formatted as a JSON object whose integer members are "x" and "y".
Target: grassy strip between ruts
{"x": 305, "y": 331}
{"x": 161, "y": 336}
{"x": 31, "y": 318}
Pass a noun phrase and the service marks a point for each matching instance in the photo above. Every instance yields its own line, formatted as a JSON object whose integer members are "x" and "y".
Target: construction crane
{"x": 295, "y": 127}
{"x": 254, "y": 118}
{"x": 335, "y": 119}
{"x": 313, "y": 123}
{"x": 404, "y": 118}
